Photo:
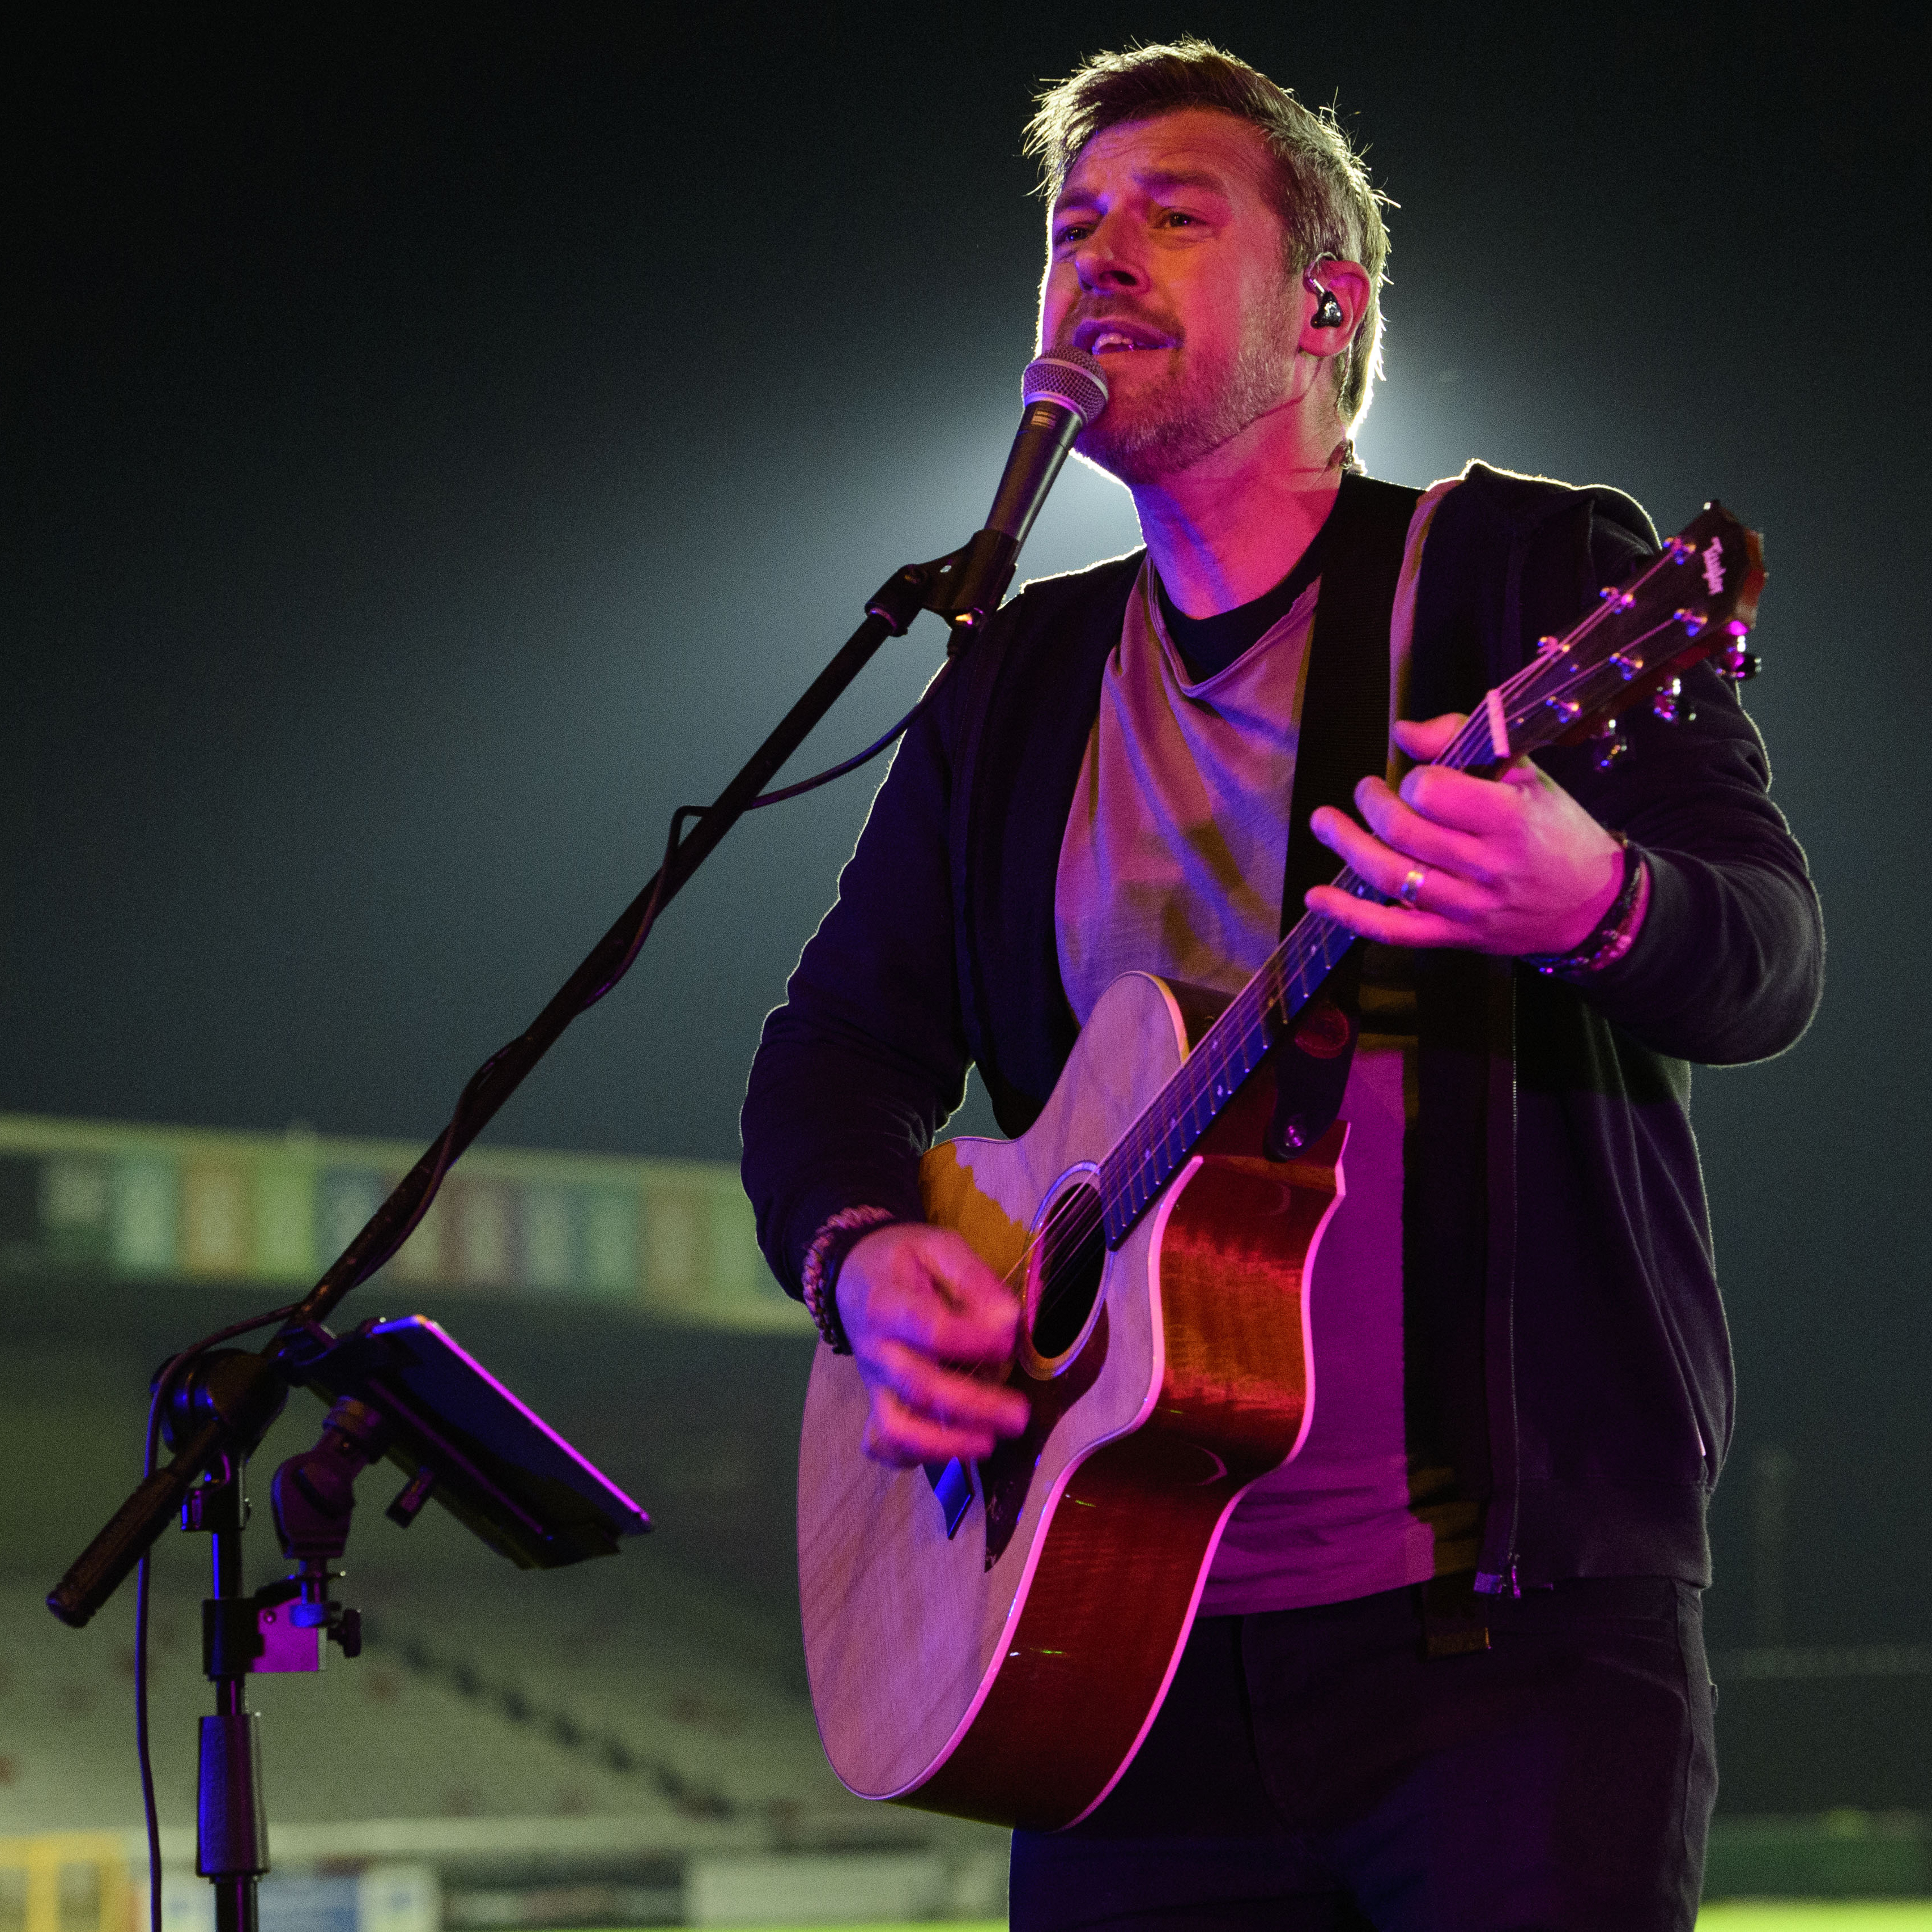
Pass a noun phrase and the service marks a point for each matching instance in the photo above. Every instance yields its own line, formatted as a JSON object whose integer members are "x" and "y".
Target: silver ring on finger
{"x": 1410, "y": 890}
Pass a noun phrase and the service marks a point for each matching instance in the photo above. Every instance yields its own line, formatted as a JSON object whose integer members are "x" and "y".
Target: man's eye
{"x": 1175, "y": 218}
{"x": 1074, "y": 231}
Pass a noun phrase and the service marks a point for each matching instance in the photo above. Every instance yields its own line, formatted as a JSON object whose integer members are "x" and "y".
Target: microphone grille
{"x": 1069, "y": 376}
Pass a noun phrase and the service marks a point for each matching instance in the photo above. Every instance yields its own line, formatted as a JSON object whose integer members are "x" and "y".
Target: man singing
{"x": 1448, "y": 1670}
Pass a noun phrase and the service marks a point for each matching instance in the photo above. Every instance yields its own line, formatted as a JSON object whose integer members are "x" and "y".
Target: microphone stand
{"x": 964, "y": 587}
{"x": 231, "y": 1398}
{"x": 1063, "y": 390}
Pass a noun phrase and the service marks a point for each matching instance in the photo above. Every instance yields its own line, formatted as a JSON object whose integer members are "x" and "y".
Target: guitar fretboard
{"x": 1610, "y": 657}
{"x": 1153, "y": 1149}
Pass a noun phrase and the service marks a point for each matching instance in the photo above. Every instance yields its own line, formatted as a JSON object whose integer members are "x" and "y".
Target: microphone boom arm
{"x": 1063, "y": 391}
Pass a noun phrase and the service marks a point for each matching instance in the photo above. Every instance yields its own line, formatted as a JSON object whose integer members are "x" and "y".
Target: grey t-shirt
{"x": 1172, "y": 863}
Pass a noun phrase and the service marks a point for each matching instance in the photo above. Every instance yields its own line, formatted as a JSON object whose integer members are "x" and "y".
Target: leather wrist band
{"x": 818, "y": 1279}
{"x": 1615, "y": 933}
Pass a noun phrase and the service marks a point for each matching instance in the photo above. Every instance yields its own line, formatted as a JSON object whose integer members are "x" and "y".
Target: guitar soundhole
{"x": 1064, "y": 1282}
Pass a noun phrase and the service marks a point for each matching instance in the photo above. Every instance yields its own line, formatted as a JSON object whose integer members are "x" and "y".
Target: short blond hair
{"x": 1322, "y": 191}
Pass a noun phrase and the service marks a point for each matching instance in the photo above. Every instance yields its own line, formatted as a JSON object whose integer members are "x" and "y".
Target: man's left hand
{"x": 1509, "y": 865}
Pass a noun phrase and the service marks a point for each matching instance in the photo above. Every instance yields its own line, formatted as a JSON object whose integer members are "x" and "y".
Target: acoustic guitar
{"x": 994, "y": 1642}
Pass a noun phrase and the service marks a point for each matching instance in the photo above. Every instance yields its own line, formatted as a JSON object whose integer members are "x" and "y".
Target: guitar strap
{"x": 1343, "y": 737}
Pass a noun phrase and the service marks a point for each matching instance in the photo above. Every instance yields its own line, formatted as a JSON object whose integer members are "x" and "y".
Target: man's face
{"x": 1166, "y": 260}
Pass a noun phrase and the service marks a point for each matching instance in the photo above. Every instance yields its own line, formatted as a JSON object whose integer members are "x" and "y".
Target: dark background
{"x": 438, "y": 444}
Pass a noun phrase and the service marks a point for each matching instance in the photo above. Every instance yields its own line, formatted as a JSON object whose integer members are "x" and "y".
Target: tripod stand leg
{"x": 231, "y": 1824}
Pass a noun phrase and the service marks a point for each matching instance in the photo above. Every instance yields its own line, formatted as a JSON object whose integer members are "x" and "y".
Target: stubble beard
{"x": 1197, "y": 408}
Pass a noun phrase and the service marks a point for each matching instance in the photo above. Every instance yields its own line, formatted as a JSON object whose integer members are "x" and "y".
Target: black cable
{"x": 148, "y": 1811}
{"x": 865, "y": 757}
{"x": 172, "y": 1371}
{"x": 649, "y": 916}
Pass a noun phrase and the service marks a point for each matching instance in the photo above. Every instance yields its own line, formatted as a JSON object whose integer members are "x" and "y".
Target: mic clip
{"x": 971, "y": 583}
{"x": 964, "y": 587}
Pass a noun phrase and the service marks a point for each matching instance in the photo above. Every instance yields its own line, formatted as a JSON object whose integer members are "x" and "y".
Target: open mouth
{"x": 1114, "y": 338}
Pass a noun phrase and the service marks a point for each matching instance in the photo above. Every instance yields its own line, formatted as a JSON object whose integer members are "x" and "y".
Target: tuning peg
{"x": 1734, "y": 662}
{"x": 1669, "y": 703}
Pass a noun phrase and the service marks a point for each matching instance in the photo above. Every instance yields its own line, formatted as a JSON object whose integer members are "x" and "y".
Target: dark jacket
{"x": 1566, "y": 1340}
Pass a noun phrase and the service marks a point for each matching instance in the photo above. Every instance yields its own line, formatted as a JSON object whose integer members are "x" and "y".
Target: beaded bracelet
{"x": 1615, "y": 933}
{"x": 818, "y": 1279}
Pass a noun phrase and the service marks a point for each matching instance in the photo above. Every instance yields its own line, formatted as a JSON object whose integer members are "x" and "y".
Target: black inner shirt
{"x": 1209, "y": 645}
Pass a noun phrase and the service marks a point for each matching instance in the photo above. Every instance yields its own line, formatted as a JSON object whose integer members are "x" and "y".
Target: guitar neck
{"x": 1151, "y": 1151}
{"x": 1665, "y": 618}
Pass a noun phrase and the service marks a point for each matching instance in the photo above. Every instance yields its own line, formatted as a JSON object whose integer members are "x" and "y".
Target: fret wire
{"x": 1231, "y": 1050}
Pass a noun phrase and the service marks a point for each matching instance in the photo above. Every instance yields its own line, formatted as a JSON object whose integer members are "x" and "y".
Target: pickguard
{"x": 1006, "y": 1475}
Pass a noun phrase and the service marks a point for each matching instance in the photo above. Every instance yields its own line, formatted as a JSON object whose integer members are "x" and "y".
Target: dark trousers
{"x": 1318, "y": 1769}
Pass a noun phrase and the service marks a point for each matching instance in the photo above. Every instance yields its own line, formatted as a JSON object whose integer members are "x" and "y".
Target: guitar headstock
{"x": 1696, "y": 599}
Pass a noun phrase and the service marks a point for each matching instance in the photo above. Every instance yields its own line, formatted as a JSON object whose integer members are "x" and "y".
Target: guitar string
{"x": 1205, "y": 1074}
{"x": 1206, "y": 1070}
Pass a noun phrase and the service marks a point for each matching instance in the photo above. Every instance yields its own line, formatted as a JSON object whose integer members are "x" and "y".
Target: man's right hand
{"x": 931, "y": 1327}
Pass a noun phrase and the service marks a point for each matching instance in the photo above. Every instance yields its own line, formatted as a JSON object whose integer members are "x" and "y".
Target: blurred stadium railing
{"x": 160, "y": 1203}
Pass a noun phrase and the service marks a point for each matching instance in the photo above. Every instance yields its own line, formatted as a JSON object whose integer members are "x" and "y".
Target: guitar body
{"x": 1007, "y": 1668}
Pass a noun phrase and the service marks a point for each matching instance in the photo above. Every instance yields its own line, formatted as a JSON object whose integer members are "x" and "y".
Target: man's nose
{"x": 1105, "y": 262}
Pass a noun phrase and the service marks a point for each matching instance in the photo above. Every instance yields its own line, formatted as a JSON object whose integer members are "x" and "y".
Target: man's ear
{"x": 1348, "y": 283}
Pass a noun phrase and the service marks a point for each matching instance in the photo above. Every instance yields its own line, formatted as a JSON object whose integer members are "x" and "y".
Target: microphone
{"x": 1063, "y": 392}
